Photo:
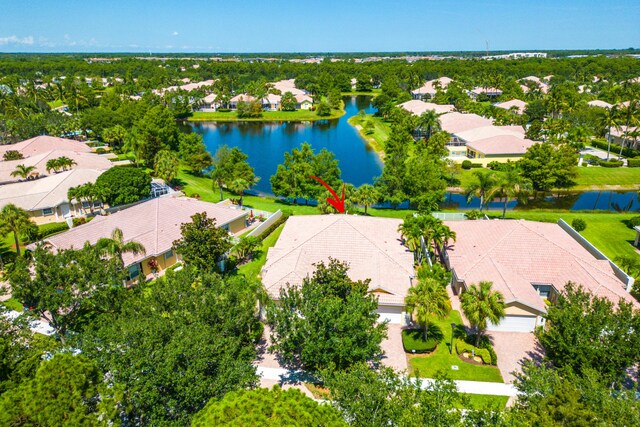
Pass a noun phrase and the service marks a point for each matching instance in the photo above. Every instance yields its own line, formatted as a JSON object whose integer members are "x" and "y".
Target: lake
{"x": 266, "y": 143}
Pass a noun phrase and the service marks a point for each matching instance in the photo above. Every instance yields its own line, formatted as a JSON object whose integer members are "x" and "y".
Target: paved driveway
{"x": 512, "y": 348}
{"x": 392, "y": 347}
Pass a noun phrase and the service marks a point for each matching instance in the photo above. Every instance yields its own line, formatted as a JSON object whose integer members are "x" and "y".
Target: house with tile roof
{"x": 429, "y": 89}
{"x": 530, "y": 263}
{"x": 46, "y": 199}
{"x": 45, "y": 143}
{"x": 418, "y": 107}
{"x": 155, "y": 224}
{"x": 514, "y": 105}
{"x": 372, "y": 247}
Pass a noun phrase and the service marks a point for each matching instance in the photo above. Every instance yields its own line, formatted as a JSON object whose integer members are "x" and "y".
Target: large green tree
{"x": 166, "y": 165}
{"x": 548, "y": 166}
{"x": 194, "y": 153}
{"x": 123, "y": 185}
{"x": 366, "y": 195}
{"x": 15, "y": 220}
{"x": 591, "y": 333}
{"x": 157, "y": 131}
{"x": 268, "y": 408}
{"x": 483, "y": 185}
{"x": 174, "y": 346}
{"x": 330, "y": 321}
{"x": 229, "y": 165}
{"x": 203, "y": 244}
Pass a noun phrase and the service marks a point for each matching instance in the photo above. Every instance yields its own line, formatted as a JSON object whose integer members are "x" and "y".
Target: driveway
{"x": 512, "y": 349}
{"x": 394, "y": 355}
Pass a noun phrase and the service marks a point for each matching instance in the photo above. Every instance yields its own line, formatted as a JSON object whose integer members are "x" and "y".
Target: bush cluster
{"x": 483, "y": 353}
{"x": 615, "y": 148}
{"x": 633, "y": 163}
{"x": 46, "y": 230}
{"x": 611, "y": 163}
{"x": 413, "y": 341}
{"x": 468, "y": 164}
{"x": 578, "y": 224}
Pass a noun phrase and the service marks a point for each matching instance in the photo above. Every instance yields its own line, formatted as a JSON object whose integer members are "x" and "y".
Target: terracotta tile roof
{"x": 371, "y": 246}
{"x": 516, "y": 254}
{"x": 39, "y": 161}
{"x": 501, "y": 145}
{"x": 44, "y": 143}
{"x": 484, "y": 132}
{"x": 518, "y": 104}
{"x": 532, "y": 78}
{"x": 288, "y": 86}
{"x": 46, "y": 192}
{"x": 458, "y": 122}
{"x": 154, "y": 223}
{"x": 429, "y": 87}
{"x": 417, "y": 107}
{"x": 242, "y": 97}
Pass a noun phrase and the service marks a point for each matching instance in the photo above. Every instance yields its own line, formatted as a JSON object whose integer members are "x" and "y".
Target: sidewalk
{"x": 470, "y": 387}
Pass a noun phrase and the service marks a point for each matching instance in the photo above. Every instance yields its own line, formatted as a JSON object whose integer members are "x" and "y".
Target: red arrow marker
{"x": 335, "y": 201}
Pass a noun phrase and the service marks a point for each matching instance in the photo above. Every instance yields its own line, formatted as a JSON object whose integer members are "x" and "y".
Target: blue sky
{"x": 315, "y": 26}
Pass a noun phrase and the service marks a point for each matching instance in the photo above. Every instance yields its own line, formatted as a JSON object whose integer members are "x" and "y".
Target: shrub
{"x": 633, "y": 163}
{"x": 100, "y": 150}
{"x": 578, "y": 224}
{"x": 80, "y": 220}
{"x": 46, "y": 230}
{"x": 615, "y": 148}
{"x": 413, "y": 341}
{"x": 483, "y": 353}
{"x": 12, "y": 155}
{"x": 611, "y": 163}
{"x": 476, "y": 165}
{"x": 466, "y": 164}
{"x": 473, "y": 214}
{"x": 123, "y": 185}
{"x": 223, "y": 110}
{"x": 635, "y": 221}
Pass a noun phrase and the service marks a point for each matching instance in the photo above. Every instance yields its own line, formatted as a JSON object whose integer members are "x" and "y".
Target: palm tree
{"x": 412, "y": 234}
{"x": 238, "y": 186}
{"x": 65, "y": 162}
{"x": 116, "y": 247}
{"x": 481, "y": 304}
{"x": 483, "y": 185}
{"x": 426, "y": 300}
{"x": 441, "y": 236}
{"x": 610, "y": 120}
{"x": 366, "y": 195}
{"x": 23, "y": 171}
{"x": 15, "y": 220}
{"x": 512, "y": 185}
{"x": 429, "y": 122}
{"x": 631, "y": 116}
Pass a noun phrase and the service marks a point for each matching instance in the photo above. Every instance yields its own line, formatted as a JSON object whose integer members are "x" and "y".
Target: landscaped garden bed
{"x": 414, "y": 342}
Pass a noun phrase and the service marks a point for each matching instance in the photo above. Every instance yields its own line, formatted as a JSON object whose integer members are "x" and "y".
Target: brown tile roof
{"x": 371, "y": 246}
{"x": 154, "y": 223}
{"x": 44, "y": 143}
{"x": 501, "y": 145}
{"x": 458, "y": 122}
{"x": 515, "y": 254}
{"x": 429, "y": 87}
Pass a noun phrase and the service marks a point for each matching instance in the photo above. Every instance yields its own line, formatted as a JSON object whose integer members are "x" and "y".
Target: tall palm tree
{"x": 480, "y": 305}
{"x": 115, "y": 246}
{"x": 66, "y": 162}
{"x": 411, "y": 233}
{"x": 238, "y": 186}
{"x": 15, "y": 220}
{"x": 482, "y": 186}
{"x": 631, "y": 117}
{"x": 610, "y": 120}
{"x": 426, "y": 300}
{"x": 366, "y": 195}
{"x": 429, "y": 122}
{"x": 512, "y": 185}
{"x": 23, "y": 171}
{"x": 441, "y": 236}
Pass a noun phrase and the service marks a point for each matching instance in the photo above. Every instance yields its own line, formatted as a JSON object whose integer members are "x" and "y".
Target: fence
{"x": 266, "y": 224}
{"x": 449, "y": 216}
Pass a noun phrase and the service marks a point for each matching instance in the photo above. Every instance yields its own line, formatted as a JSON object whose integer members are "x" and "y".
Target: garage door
{"x": 392, "y": 314}
{"x": 512, "y": 323}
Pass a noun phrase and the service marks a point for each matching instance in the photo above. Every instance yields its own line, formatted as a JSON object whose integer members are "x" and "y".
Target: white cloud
{"x": 28, "y": 40}
{"x": 175, "y": 33}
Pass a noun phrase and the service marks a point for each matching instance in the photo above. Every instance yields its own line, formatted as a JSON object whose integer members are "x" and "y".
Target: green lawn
{"x": 373, "y": 93}
{"x": 267, "y": 116}
{"x": 252, "y": 269}
{"x": 592, "y": 178}
{"x": 57, "y": 103}
{"x": 381, "y": 130}
{"x": 12, "y": 304}
{"x": 485, "y": 401}
{"x": 440, "y": 360}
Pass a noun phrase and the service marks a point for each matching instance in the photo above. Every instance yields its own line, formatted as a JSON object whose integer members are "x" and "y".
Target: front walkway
{"x": 394, "y": 356}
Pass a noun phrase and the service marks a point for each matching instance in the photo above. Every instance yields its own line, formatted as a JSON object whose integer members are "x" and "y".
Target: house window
{"x": 47, "y": 211}
{"x": 134, "y": 271}
{"x": 97, "y": 204}
{"x": 86, "y": 205}
{"x": 543, "y": 290}
{"x": 168, "y": 254}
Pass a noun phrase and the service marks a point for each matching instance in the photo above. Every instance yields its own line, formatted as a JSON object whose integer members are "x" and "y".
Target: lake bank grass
{"x": 378, "y": 135}
{"x": 267, "y": 116}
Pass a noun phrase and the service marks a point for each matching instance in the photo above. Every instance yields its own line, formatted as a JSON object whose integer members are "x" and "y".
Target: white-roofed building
{"x": 599, "y": 104}
{"x": 371, "y": 246}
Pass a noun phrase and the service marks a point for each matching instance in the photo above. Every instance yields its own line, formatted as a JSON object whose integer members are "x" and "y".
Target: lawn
{"x": 592, "y": 178}
{"x": 267, "y": 116}
{"x": 373, "y": 93}
{"x": 381, "y": 130}
{"x": 12, "y": 304}
{"x": 252, "y": 269}
{"x": 440, "y": 360}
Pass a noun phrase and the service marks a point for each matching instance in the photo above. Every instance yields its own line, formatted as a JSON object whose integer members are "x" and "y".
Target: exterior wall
{"x": 237, "y": 225}
{"x": 395, "y": 315}
{"x": 517, "y": 309}
{"x": 485, "y": 160}
{"x": 162, "y": 265}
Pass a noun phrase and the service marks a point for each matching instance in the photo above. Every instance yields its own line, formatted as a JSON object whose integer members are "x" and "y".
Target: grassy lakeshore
{"x": 267, "y": 116}
{"x": 380, "y": 133}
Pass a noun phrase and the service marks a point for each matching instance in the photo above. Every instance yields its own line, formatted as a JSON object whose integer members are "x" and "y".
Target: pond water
{"x": 266, "y": 143}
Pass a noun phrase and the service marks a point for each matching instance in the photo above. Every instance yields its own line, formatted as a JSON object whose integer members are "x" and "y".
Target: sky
{"x": 214, "y": 26}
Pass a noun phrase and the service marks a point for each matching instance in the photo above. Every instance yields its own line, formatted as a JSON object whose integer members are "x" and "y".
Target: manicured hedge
{"x": 611, "y": 163}
{"x": 46, "y": 230}
{"x": 413, "y": 342}
{"x": 615, "y": 148}
{"x": 483, "y": 353}
{"x": 633, "y": 163}
{"x": 285, "y": 215}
